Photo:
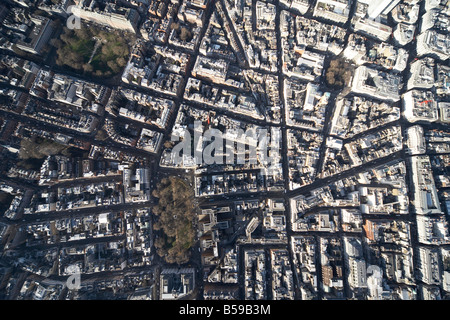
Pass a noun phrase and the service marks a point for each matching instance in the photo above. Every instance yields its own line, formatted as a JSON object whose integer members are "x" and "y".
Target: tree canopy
{"x": 93, "y": 51}
{"x": 338, "y": 73}
{"x": 174, "y": 216}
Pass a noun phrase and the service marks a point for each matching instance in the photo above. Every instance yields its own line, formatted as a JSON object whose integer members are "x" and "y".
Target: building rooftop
{"x": 380, "y": 85}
